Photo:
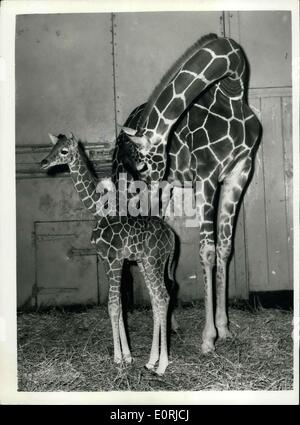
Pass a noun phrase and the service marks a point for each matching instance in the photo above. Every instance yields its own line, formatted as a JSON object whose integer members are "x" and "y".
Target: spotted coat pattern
{"x": 199, "y": 128}
{"x": 149, "y": 241}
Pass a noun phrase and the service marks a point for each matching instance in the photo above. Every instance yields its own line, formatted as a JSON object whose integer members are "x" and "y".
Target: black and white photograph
{"x": 149, "y": 185}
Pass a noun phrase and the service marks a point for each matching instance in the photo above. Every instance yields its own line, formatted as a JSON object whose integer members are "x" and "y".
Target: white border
{"x": 8, "y": 349}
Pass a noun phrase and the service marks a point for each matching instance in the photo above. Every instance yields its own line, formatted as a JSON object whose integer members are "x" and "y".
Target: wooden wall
{"x": 85, "y": 73}
{"x": 267, "y": 208}
{"x": 268, "y": 201}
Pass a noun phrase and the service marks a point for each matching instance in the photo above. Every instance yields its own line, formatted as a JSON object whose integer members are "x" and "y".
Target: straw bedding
{"x": 72, "y": 351}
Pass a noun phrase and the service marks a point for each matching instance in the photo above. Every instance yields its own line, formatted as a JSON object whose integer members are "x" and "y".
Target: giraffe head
{"x": 64, "y": 151}
{"x": 151, "y": 153}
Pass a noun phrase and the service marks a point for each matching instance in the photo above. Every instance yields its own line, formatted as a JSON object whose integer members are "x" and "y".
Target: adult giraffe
{"x": 201, "y": 109}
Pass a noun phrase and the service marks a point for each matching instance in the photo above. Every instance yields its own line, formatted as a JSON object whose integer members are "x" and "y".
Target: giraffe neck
{"x": 85, "y": 183}
{"x": 219, "y": 59}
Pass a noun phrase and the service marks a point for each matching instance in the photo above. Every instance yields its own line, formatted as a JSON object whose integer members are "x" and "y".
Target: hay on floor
{"x": 72, "y": 351}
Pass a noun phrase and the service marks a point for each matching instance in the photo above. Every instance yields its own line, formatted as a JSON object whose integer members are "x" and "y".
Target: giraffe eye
{"x": 64, "y": 151}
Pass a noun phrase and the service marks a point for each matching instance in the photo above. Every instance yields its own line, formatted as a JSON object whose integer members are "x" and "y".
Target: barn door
{"x": 266, "y": 215}
{"x": 66, "y": 264}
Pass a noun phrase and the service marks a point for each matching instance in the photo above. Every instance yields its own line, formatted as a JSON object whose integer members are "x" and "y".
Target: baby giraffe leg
{"x": 154, "y": 353}
{"x": 123, "y": 337}
{"x": 162, "y": 306}
{"x": 160, "y": 302}
{"x": 115, "y": 311}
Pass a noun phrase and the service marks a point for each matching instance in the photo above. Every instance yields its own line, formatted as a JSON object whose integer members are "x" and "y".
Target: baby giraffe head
{"x": 64, "y": 151}
{"x": 151, "y": 153}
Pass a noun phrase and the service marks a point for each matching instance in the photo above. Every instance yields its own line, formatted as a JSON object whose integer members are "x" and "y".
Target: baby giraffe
{"x": 147, "y": 240}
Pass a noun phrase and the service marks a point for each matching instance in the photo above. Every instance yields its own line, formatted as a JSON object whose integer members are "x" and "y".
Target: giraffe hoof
{"x": 208, "y": 347}
{"x": 160, "y": 371}
{"x": 128, "y": 359}
{"x": 118, "y": 361}
{"x": 149, "y": 366}
{"x": 224, "y": 333}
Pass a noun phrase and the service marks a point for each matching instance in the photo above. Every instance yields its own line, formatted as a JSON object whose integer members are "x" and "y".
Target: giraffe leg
{"x": 168, "y": 200}
{"x": 159, "y": 296}
{"x": 229, "y": 199}
{"x": 162, "y": 306}
{"x": 207, "y": 258}
{"x": 123, "y": 337}
{"x": 205, "y": 214}
{"x": 114, "y": 271}
{"x": 154, "y": 353}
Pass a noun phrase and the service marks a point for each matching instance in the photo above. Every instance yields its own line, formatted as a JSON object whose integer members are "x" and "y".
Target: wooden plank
{"x": 102, "y": 282}
{"x": 237, "y": 269}
{"x": 277, "y": 237}
{"x": 288, "y": 176}
{"x": 188, "y": 271}
{"x": 269, "y": 92}
{"x": 63, "y": 278}
{"x": 255, "y": 222}
{"x": 269, "y": 55}
{"x": 232, "y": 29}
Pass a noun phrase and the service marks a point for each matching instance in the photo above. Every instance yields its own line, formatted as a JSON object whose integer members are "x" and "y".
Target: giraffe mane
{"x": 86, "y": 160}
{"x": 170, "y": 74}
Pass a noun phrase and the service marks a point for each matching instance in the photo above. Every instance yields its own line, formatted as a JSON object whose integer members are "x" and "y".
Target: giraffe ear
{"x": 53, "y": 139}
{"x": 141, "y": 142}
{"x": 72, "y": 137}
{"x": 129, "y": 131}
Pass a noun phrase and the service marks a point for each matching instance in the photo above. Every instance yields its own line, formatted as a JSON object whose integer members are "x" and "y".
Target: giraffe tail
{"x": 171, "y": 264}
